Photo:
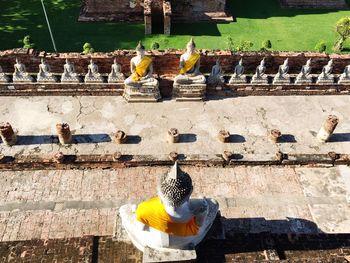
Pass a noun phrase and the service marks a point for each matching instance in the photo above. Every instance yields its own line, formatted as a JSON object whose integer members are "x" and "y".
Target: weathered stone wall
{"x": 121, "y": 10}
{"x": 329, "y": 4}
{"x": 193, "y": 9}
{"x": 166, "y": 62}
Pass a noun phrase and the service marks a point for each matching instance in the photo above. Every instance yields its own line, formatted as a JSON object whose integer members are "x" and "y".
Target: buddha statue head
{"x": 190, "y": 47}
{"x": 175, "y": 187}
{"x": 140, "y": 49}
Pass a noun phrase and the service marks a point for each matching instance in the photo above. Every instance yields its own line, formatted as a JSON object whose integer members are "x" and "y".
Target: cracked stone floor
{"x": 93, "y": 120}
{"x": 72, "y": 203}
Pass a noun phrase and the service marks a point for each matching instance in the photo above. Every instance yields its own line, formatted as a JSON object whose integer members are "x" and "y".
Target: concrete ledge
{"x": 170, "y": 255}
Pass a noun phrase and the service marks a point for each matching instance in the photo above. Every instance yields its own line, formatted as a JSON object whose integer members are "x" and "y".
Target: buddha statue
{"x": 189, "y": 67}
{"x": 326, "y": 76}
{"x": 282, "y": 76}
{"x": 259, "y": 77}
{"x": 3, "y": 77}
{"x": 345, "y": 76}
{"x": 116, "y": 75}
{"x": 216, "y": 77}
{"x": 172, "y": 220}
{"x": 44, "y": 74}
{"x": 69, "y": 74}
{"x": 93, "y": 76}
{"x": 141, "y": 86}
{"x": 304, "y": 76}
{"x": 238, "y": 77}
{"x": 20, "y": 74}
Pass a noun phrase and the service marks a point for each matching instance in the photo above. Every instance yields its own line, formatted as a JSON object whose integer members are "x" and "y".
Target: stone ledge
{"x": 107, "y": 161}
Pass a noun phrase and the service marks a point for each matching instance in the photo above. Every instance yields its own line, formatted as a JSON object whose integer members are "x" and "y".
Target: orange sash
{"x": 141, "y": 68}
{"x": 152, "y": 213}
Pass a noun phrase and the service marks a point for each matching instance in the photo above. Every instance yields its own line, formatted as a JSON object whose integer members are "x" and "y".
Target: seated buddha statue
{"x": 141, "y": 68}
{"x": 20, "y": 74}
{"x": 170, "y": 220}
{"x": 3, "y": 77}
{"x": 69, "y": 74}
{"x": 189, "y": 67}
{"x": 44, "y": 74}
{"x": 304, "y": 77}
{"x": 116, "y": 75}
{"x": 93, "y": 76}
{"x": 216, "y": 78}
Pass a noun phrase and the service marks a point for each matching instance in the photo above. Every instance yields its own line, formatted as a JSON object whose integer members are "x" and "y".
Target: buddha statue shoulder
{"x": 190, "y": 67}
{"x": 141, "y": 68}
{"x": 172, "y": 219}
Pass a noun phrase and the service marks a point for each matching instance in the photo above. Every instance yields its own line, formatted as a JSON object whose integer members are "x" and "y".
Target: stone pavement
{"x": 93, "y": 120}
{"x": 74, "y": 203}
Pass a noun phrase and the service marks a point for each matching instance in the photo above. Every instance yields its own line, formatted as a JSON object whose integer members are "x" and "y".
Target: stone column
{"x": 224, "y": 136}
{"x": 173, "y": 135}
{"x": 328, "y": 128}
{"x": 148, "y": 24}
{"x": 7, "y": 134}
{"x": 63, "y": 132}
{"x": 275, "y": 135}
{"x": 120, "y": 137}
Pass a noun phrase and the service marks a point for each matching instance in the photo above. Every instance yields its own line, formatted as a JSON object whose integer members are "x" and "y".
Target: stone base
{"x": 329, "y": 81}
{"x": 51, "y": 79}
{"x": 189, "y": 92}
{"x": 4, "y": 78}
{"x": 238, "y": 81}
{"x": 260, "y": 81}
{"x": 284, "y": 81}
{"x": 170, "y": 255}
{"x": 71, "y": 79}
{"x": 23, "y": 79}
{"x": 303, "y": 81}
{"x": 341, "y": 81}
{"x": 145, "y": 93}
{"x": 117, "y": 79}
{"x": 93, "y": 80}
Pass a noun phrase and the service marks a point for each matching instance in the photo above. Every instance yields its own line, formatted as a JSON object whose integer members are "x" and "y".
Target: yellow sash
{"x": 141, "y": 68}
{"x": 189, "y": 64}
{"x": 152, "y": 213}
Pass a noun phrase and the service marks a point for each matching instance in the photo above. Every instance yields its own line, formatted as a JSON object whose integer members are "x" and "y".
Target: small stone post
{"x": 7, "y": 134}
{"x": 227, "y": 155}
{"x": 224, "y": 136}
{"x": 173, "y": 135}
{"x": 63, "y": 132}
{"x": 59, "y": 157}
{"x": 173, "y": 156}
{"x": 120, "y": 137}
{"x": 275, "y": 135}
{"x": 328, "y": 128}
{"x": 117, "y": 156}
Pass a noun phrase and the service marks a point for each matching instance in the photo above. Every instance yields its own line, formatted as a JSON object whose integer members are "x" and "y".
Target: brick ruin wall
{"x": 110, "y": 10}
{"x": 331, "y": 4}
{"x": 167, "y": 62}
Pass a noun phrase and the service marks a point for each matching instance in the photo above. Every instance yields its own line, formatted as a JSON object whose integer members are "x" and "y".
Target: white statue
{"x": 326, "y": 76}
{"x": 282, "y": 76}
{"x": 3, "y": 77}
{"x": 93, "y": 76}
{"x": 20, "y": 74}
{"x": 189, "y": 67}
{"x": 345, "y": 76}
{"x": 171, "y": 220}
{"x": 304, "y": 76}
{"x": 216, "y": 77}
{"x": 141, "y": 68}
{"x": 44, "y": 74}
{"x": 69, "y": 74}
{"x": 259, "y": 77}
{"x": 238, "y": 77}
{"x": 116, "y": 75}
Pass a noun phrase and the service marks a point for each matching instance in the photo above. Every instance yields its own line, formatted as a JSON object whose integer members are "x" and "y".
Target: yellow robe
{"x": 189, "y": 64}
{"x": 141, "y": 69}
{"x": 152, "y": 213}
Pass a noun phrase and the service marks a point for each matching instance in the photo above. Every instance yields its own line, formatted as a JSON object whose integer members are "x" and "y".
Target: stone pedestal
{"x": 22, "y": 78}
{"x": 343, "y": 80}
{"x": 41, "y": 78}
{"x": 303, "y": 80}
{"x": 144, "y": 93}
{"x": 285, "y": 80}
{"x": 328, "y": 80}
{"x": 236, "y": 80}
{"x": 259, "y": 80}
{"x": 93, "y": 78}
{"x": 4, "y": 78}
{"x": 70, "y": 78}
{"x": 189, "y": 92}
{"x": 7, "y": 134}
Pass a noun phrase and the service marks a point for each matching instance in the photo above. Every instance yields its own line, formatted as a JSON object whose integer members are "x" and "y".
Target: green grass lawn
{"x": 257, "y": 20}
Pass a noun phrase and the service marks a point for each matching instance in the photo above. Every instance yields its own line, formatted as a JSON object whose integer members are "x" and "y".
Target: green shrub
{"x": 266, "y": 45}
{"x": 244, "y": 45}
{"x": 321, "y": 46}
{"x": 88, "y": 49}
{"x": 342, "y": 27}
{"x": 230, "y": 44}
{"x": 155, "y": 45}
{"x": 27, "y": 42}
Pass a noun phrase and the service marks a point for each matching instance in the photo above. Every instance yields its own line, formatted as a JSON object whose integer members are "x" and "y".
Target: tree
{"x": 88, "y": 49}
{"x": 266, "y": 45}
{"x": 342, "y": 27}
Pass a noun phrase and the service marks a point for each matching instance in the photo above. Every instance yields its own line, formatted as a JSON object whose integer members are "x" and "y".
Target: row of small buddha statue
{"x": 142, "y": 72}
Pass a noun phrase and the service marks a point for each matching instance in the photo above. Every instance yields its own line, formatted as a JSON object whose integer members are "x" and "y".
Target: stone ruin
{"x": 324, "y": 4}
{"x": 154, "y": 11}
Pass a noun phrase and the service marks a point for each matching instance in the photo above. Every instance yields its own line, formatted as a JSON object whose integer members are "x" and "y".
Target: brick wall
{"x": 166, "y": 62}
